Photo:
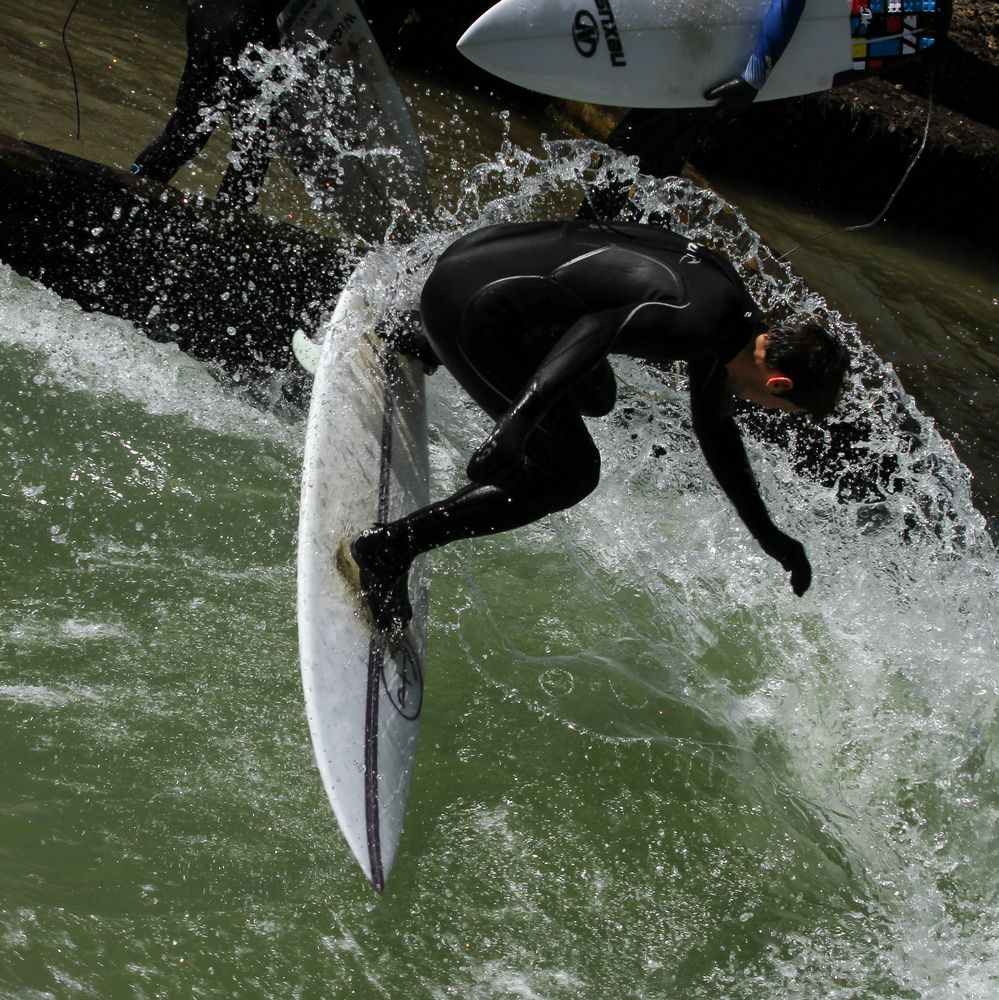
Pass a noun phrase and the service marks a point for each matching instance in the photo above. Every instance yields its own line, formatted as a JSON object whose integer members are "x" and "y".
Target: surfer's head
{"x": 808, "y": 366}
{"x": 799, "y": 367}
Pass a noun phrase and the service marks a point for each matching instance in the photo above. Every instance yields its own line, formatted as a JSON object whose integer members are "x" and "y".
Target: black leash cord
{"x": 894, "y": 194}
{"x": 69, "y": 59}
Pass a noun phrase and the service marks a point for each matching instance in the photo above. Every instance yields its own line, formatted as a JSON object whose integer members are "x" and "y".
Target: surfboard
{"x": 347, "y": 131}
{"x": 365, "y": 460}
{"x": 666, "y": 53}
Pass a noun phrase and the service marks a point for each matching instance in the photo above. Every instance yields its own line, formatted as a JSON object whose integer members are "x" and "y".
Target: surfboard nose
{"x": 492, "y": 45}
{"x": 479, "y": 34}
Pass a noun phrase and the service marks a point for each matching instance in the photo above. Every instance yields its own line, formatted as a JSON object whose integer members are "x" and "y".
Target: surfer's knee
{"x": 486, "y": 316}
{"x": 570, "y": 479}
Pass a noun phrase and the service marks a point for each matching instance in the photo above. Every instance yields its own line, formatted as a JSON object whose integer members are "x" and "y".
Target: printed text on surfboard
{"x": 586, "y": 34}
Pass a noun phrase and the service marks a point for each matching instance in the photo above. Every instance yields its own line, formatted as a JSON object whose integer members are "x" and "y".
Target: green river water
{"x": 646, "y": 769}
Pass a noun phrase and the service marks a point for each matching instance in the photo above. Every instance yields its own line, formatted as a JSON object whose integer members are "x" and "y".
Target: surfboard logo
{"x": 585, "y": 33}
{"x": 342, "y": 28}
{"x": 402, "y": 676}
{"x": 611, "y": 35}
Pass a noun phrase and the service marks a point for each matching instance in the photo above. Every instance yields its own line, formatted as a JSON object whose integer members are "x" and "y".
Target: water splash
{"x": 663, "y": 775}
{"x": 101, "y": 355}
{"x": 339, "y": 127}
{"x": 864, "y": 715}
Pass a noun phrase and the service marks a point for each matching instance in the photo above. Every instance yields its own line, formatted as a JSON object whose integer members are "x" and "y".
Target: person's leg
{"x": 216, "y": 32}
{"x": 250, "y": 157}
{"x": 252, "y": 143}
{"x": 492, "y": 344}
{"x": 606, "y": 201}
{"x": 190, "y": 125}
{"x": 562, "y": 467}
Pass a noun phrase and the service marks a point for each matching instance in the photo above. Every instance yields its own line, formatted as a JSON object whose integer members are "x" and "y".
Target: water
{"x": 646, "y": 770}
{"x": 928, "y": 302}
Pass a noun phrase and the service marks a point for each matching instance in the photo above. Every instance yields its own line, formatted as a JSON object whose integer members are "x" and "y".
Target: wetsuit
{"x": 525, "y": 317}
{"x": 778, "y": 26}
{"x": 217, "y": 32}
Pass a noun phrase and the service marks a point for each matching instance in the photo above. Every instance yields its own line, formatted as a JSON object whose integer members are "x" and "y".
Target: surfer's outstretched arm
{"x": 721, "y": 444}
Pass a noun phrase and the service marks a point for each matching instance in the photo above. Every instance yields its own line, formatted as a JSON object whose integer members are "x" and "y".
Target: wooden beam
{"x": 229, "y": 288}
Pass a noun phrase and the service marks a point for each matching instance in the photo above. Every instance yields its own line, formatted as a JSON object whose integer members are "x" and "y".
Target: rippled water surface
{"x": 646, "y": 769}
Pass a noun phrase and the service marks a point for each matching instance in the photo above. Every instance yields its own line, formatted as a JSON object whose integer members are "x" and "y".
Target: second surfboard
{"x": 653, "y": 53}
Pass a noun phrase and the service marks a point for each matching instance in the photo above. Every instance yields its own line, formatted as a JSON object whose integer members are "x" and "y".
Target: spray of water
{"x": 797, "y": 797}
{"x": 864, "y": 715}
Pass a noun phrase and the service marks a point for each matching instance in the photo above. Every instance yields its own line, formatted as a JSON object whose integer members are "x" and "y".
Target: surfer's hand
{"x": 790, "y": 553}
{"x": 733, "y": 95}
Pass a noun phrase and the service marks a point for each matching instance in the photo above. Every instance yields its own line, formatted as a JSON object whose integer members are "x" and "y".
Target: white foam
{"x": 107, "y": 356}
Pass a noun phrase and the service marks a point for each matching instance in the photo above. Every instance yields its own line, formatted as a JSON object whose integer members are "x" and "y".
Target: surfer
{"x": 526, "y": 315}
{"x": 211, "y": 84}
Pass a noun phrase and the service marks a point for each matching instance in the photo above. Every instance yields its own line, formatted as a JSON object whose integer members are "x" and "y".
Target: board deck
{"x": 366, "y": 460}
{"x": 652, "y": 53}
{"x": 349, "y": 135}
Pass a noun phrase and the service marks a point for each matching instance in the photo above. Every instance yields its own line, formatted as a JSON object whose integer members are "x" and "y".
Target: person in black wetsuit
{"x": 526, "y": 315}
{"x": 218, "y": 32}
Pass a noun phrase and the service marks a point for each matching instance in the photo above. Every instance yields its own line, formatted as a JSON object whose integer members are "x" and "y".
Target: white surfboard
{"x": 365, "y": 461}
{"x": 350, "y": 136}
{"x": 652, "y": 53}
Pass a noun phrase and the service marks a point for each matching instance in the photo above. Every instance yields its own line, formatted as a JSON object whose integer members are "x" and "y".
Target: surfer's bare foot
{"x": 383, "y": 580}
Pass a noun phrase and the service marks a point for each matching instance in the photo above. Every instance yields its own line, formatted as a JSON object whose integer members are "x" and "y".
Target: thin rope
{"x": 69, "y": 59}
{"x": 894, "y": 194}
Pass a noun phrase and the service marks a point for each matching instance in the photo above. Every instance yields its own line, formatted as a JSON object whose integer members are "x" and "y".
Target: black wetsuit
{"x": 525, "y": 316}
{"x": 217, "y": 32}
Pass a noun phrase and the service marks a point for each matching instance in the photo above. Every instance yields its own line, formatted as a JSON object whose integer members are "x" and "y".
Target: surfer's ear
{"x": 780, "y": 384}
